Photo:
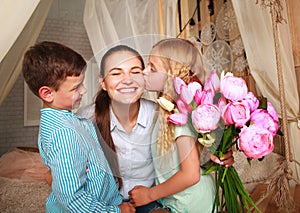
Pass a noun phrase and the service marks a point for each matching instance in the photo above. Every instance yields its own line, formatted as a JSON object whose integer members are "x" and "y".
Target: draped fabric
{"x": 293, "y": 7}
{"x": 21, "y": 25}
{"x": 136, "y": 23}
{"x": 260, "y": 50}
{"x": 108, "y": 22}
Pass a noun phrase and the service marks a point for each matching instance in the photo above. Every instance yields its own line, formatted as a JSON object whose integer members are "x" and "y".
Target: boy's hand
{"x": 127, "y": 207}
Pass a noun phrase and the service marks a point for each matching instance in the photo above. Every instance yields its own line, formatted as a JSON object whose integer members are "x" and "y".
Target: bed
{"x": 23, "y": 186}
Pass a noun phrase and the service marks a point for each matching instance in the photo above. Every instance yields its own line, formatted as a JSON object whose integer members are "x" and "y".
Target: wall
{"x": 64, "y": 24}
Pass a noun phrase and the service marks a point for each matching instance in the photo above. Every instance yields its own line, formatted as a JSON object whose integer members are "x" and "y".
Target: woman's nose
{"x": 127, "y": 78}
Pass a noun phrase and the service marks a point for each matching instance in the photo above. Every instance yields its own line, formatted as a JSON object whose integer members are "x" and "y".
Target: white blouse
{"x": 134, "y": 150}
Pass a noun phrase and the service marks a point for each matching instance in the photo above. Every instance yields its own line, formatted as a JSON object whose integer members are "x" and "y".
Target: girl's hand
{"x": 140, "y": 195}
{"x": 226, "y": 160}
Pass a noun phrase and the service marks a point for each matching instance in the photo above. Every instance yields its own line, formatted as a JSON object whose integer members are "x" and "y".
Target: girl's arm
{"x": 188, "y": 175}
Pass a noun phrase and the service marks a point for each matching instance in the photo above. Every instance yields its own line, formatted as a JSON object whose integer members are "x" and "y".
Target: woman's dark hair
{"x": 102, "y": 111}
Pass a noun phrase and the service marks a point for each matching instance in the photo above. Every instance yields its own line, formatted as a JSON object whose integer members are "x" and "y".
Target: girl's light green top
{"x": 195, "y": 199}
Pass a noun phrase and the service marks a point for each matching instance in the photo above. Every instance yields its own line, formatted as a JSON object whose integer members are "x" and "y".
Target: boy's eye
{"x": 80, "y": 85}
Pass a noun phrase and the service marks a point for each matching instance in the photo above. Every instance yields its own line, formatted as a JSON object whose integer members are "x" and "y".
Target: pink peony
{"x": 205, "y": 118}
{"x": 213, "y": 82}
{"x": 183, "y": 107}
{"x": 222, "y": 102}
{"x": 255, "y": 141}
{"x": 233, "y": 88}
{"x": 207, "y": 97}
{"x": 186, "y": 94}
{"x": 271, "y": 111}
{"x": 263, "y": 119}
{"x": 198, "y": 97}
{"x": 194, "y": 86}
{"x": 178, "y": 83}
{"x": 251, "y": 101}
{"x": 236, "y": 113}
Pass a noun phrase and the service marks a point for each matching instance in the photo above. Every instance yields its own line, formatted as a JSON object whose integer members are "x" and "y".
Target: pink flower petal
{"x": 186, "y": 94}
{"x": 178, "y": 83}
{"x": 178, "y": 118}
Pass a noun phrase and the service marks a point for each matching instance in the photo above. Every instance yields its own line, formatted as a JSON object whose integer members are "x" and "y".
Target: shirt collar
{"x": 62, "y": 111}
{"x": 141, "y": 120}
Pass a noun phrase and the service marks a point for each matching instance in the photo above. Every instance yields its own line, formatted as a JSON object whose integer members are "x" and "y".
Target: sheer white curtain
{"x": 21, "y": 23}
{"x": 257, "y": 34}
{"x": 111, "y": 21}
{"x": 136, "y": 23}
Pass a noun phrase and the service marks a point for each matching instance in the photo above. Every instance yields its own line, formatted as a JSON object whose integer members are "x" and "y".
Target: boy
{"x": 81, "y": 178}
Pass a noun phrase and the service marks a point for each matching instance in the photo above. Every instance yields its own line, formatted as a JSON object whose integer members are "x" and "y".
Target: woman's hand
{"x": 226, "y": 160}
{"x": 140, "y": 195}
{"x": 127, "y": 208}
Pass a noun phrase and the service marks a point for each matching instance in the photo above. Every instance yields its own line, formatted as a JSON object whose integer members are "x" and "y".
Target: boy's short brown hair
{"x": 49, "y": 63}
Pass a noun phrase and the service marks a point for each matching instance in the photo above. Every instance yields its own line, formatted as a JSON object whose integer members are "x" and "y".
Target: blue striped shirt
{"x": 81, "y": 178}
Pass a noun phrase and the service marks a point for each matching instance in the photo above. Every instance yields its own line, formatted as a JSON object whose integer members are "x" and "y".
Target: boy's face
{"x": 69, "y": 94}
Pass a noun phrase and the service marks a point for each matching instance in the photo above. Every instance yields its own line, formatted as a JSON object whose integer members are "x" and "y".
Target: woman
{"x": 125, "y": 120}
{"x": 179, "y": 184}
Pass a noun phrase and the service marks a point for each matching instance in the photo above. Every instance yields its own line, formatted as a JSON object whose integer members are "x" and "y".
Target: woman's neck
{"x": 126, "y": 114}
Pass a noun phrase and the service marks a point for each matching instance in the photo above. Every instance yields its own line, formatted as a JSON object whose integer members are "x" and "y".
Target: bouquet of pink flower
{"x": 224, "y": 113}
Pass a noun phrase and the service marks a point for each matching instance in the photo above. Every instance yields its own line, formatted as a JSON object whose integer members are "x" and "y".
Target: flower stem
{"x": 224, "y": 174}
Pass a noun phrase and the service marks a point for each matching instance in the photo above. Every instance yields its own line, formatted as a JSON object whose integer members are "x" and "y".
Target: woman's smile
{"x": 127, "y": 90}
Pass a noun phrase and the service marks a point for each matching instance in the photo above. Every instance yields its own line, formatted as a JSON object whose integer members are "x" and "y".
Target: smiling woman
{"x": 123, "y": 78}
{"x": 125, "y": 120}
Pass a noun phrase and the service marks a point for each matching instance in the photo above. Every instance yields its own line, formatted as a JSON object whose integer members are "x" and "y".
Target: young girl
{"x": 179, "y": 184}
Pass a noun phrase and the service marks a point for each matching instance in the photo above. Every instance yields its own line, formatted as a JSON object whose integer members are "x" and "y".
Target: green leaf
{"x": 209, "y": 170}
{"x": 262, "y": 102}
{"x": 227, "y": 138}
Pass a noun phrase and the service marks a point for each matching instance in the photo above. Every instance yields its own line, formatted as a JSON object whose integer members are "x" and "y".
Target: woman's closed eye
{"x": 136, "y": 70}
{"x": 115, "y": 72}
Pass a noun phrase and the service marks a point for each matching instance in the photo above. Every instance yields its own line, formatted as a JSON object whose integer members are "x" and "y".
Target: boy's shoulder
{"x": 56, "y": 118}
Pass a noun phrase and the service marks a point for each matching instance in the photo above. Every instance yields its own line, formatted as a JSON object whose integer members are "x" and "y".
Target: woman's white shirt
{"x": 134, "y": 150}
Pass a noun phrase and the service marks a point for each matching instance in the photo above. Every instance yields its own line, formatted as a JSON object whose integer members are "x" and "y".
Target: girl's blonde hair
{"x": 183, "y": 59}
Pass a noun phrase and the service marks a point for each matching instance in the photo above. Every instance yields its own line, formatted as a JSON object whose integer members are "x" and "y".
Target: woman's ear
{"x": 101, "y": 82}
{"x": 46, "y": 94}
